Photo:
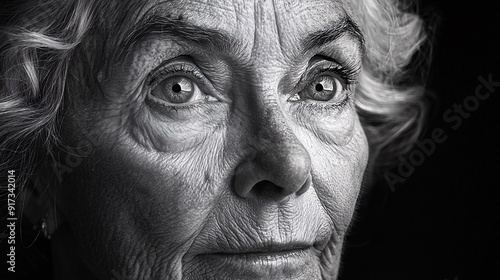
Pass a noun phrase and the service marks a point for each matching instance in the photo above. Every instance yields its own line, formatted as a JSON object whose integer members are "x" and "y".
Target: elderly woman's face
{"x": 226, "y": 145}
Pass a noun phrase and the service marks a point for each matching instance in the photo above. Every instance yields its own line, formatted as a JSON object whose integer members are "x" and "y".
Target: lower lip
{"x": 291, "y": 263}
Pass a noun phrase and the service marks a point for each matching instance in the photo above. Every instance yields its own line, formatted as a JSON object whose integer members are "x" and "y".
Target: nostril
{"x": 268, "y": 190}
{"x": 265, "y": 187}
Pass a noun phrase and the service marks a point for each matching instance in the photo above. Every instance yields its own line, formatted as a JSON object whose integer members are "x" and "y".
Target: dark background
{"x": 443, "y": 221}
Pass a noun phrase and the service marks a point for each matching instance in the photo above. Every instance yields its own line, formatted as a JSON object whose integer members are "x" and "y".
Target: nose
{"x": 278, "y": 167}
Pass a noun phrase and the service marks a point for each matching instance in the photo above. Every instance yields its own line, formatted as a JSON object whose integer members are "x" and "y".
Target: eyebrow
{"x": 345, "y": 26}
{"x": 179, "y": 28}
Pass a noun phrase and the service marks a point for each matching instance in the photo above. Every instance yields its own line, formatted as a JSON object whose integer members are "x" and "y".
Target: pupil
{"x": 319, "y": 87}
{"x": 176, "y": 88}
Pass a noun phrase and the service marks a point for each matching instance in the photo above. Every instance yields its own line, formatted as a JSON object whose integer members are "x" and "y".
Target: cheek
{"x": 139, "y": 204}
{"x": 337, "y": 175}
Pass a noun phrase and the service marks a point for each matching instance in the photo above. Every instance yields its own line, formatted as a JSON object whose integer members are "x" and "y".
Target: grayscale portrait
{"x": 203, "y": 139}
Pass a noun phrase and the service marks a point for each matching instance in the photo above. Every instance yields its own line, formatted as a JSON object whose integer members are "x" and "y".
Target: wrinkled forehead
{"x": 273, "y": 24}
{"x": 242, "y": 15}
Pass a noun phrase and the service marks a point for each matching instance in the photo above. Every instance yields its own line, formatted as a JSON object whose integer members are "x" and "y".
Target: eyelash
{"x": 172, "y": 70}
{"x": 347, "y": 75}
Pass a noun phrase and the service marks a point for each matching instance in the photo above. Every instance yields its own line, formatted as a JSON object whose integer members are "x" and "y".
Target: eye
{"x": 177, "y": 90}
{"x": 323, "y": 88}
{"x": 326, "y": 82}
{"x": 179, "y": 83}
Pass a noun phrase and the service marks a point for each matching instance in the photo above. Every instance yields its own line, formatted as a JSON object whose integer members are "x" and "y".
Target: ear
{"x": 38, "y": 202}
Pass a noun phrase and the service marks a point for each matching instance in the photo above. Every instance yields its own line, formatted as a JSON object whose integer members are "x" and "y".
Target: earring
{"x": 45, "y": 229}
{"x": 42, "y": 225}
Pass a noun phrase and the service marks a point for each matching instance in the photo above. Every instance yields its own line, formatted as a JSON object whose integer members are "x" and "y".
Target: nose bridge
{"x": 278, "y": 149}
{"x": 271, "y": 125}
{"x": 264, "y": 109}
{"x": 277, "y": 155}
{"x": 273, "y": 137}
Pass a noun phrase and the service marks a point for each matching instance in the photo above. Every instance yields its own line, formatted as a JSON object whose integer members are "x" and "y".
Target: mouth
{"x": 261, "y": 262}
{"x": 261, "y": 251}
{"x": 267, "y": 252}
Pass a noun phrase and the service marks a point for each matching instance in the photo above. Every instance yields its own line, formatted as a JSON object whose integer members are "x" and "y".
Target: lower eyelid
{"x": 167, "y": 107}
{"x": 308, "y": 106}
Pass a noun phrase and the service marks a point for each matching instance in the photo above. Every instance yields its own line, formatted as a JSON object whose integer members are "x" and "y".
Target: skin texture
{"x": 246, "y": 184}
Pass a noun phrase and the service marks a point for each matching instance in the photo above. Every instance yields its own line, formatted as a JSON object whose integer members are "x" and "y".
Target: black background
{"x": 443, "y": 221}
